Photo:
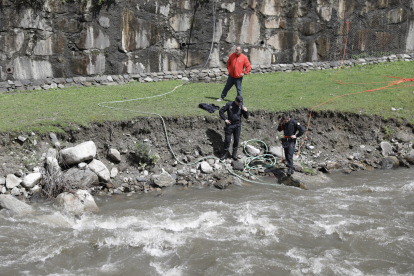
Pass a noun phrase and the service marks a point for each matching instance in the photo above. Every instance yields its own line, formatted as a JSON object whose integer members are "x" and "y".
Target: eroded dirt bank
{"x": 334, "y": 141}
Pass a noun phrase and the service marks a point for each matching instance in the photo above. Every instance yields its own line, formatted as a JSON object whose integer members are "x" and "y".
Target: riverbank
{"x": 134, "y": 157}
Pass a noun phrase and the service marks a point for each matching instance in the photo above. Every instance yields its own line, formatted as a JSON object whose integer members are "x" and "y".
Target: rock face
{"x": 145, "y": 37}
{"x": 11, "y": 203}
{"x": 100, "y": 169}
{"x": 78, "y": 203}
{"x": 163, "y": 180}
{"x": 79, "y": 153}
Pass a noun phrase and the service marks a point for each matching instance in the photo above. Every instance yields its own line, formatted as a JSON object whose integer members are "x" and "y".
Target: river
{"x": 361, "y": 225}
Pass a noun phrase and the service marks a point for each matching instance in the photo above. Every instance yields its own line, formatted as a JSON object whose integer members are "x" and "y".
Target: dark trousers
{"x": 229, "y": 84}
{"x": 289, "y": 147}
{"x": 228, "y": 131}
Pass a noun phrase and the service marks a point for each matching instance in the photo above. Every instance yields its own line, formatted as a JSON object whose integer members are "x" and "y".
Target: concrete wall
{"x": 140, "y": 36}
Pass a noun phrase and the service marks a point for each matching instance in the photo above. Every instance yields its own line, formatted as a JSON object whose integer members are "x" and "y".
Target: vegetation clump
{"x": 143, "y": 155}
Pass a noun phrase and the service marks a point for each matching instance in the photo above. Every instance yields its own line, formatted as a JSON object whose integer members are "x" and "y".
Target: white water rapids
{"x": 361, "y": 225}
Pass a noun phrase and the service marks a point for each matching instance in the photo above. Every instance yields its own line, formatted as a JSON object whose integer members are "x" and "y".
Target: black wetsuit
{"x": 234, "y": 114}
{"x": 289, "y": 129}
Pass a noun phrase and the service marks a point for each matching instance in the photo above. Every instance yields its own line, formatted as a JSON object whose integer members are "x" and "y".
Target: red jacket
{"x": 236, "y": 65}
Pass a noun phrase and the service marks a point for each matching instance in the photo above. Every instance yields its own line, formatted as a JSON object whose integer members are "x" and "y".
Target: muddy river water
{"x": 361, "y": 225}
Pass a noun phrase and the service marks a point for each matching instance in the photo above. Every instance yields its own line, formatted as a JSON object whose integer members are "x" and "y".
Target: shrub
{"x": 143, "y": 155}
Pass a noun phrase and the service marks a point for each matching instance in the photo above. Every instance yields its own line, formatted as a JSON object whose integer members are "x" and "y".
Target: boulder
{"x": 78, "y": 203}
{"x": 15, "y": 191}
{"x": 52, "y": 165}
{"x": 2, "y": 180}
{"x": 223, "y": 183}
{"x": 403, "y": 137}
{"x": 35, "y": 189}
{"x": 205, "y": 167}
{"x": 11, "y": 203}
{"x": 12, "y": 181}
{"x": 410, "y": 157}
{"x": 253, "y": 151}
{"x": 386, "y": 148}
{"x": 80, "y": 178}
{"x": 332, "y": 165}
{"x": 302, "y": 180}
{"x": 100, "y": 169}
{"x": 114, "y": 172}
{"x": 141, "y": 179}
{"x": 79, "y": 153}
{"x": 114, "y": 155}
{"x": 236, "y": 181}
{"x": 237, "y": 165}
{"x": 390, "y": 162}
{"x": 277, "y": 151}
{"x": 163, "y": 180}
{"x": 30, "y": 180}
{"x": 3, "y": 190}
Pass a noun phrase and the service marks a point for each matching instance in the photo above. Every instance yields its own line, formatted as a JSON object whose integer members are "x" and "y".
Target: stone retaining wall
{"x": 206, "y": 75}
{"x": 65, "y": 39}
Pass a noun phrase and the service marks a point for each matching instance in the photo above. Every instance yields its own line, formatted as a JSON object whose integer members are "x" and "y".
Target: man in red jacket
{"x": 238, "y": 65}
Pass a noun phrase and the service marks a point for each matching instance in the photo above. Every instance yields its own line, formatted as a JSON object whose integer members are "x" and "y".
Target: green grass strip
{"x": 55, "y": 110}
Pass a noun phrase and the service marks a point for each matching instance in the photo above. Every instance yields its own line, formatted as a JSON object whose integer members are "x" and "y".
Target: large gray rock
{"x": 301, "y": 180}
{"x": 163, "y": 180}
{"x": 78, "y": 203}
{"x": 237, "y": 165}
{"x": 253, "y": 151}
{"x": 15, "y": 191}
{"x": 386, "y": 148}
{"x": 223, "y": 183}
{"x": 12, "y": 181}
{"x": 30, "y": 180}
{"x": 52, "y": 166}
{"x": 403, "y": 137}
{"x": 277, "y": 151}
{"x": 2, "y": 180}
{"x": 81, "y": 178}
{"x": 390, "y": 162}
{"x": 205, "y": 167}
{"x": 410, "y": 157}
{"x": 114, "y": 155}
{"x": 79, "y": 153}
{"x": 11, "y": 203}
{"x": 100, "y": 169}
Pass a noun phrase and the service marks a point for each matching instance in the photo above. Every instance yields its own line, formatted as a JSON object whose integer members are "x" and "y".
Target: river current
{"x": 363, "y": 224}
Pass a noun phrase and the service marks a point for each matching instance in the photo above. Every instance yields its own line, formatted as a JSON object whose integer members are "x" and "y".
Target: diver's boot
{"x": 226, "y": 154}
{"x": 234, "y": 156}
